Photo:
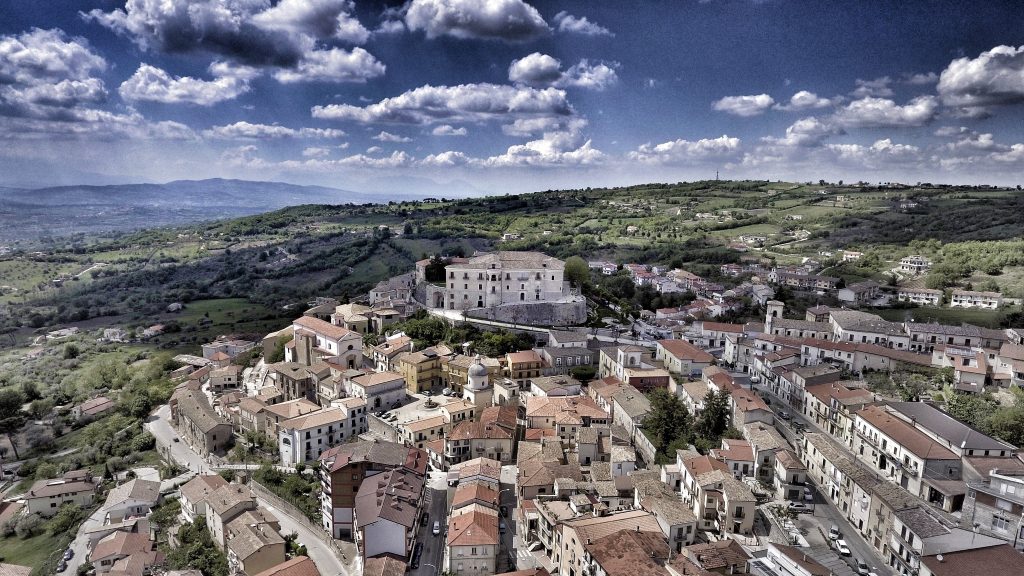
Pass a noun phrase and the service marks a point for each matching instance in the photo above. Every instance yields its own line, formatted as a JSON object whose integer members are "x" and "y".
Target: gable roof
{"x": 136, "y": 489}
{"x": 200, "y": 487}
{"x": 683, "y": 350}
{"x": 322, "y": 328}
{"x": 473, "y": 529}
{"x": 298, "y": 566}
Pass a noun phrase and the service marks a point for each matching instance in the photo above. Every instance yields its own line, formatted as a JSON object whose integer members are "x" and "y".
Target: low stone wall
{"x": 536, "y": 313}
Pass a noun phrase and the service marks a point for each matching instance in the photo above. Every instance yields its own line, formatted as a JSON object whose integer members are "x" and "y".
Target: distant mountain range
{"x": 29, "y": 214}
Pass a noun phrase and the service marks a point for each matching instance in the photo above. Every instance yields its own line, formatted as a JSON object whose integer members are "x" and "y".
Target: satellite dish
{"x": 939, "y": 557}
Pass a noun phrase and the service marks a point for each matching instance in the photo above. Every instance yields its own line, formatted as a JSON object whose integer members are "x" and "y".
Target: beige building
{"x": 198, "y": 423}
{"x": 472, "y": 544}
{"x": 489, "y": 280}
{"x": 195, "y": 492}
{"x": 45, "y": 497}
{"x": 422, "y": 370}
{"x": 254, "y": 543}
{"x": 224, "y": 505}
{"x": 573, "y": 558}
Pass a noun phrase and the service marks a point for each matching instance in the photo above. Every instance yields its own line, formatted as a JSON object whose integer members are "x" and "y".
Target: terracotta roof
{"x": 717, "y": 555}
{"x": 789, "y": 460}
{"x": 704, "y": 464}
{"x": 999, "y": 559}
{"x": 120, "y": 544}
{"x": 683, "y": 350}
{"x": 522, "y": 357}
{"x": 746, "y": 400}
{"x": 912, "y": 439}
{"x": 629, "y": 552}
{"x": 469, "y": 493}
{"x": 298, "y": 566}
{"x": 249, "y": 533}
{"x": 424, "y": 424}
{"x": 227, "y": 497}
{"x": 374, "y": 451}
{"x": 382, "y": 566}
{"x": 322, "y": 328}
{"x": 58, "y": 487}
{"x": 376, "y": 379}
{"x": 473, "y": 529}
{"x": 594, "y": 527}
{"x": 563, "y": 406}
{"x": 722, "y": 327}
{"x": 734, "y": 450}
{"x": 484, "y": 467}
{"x": 136, "y": 489}
{"x": 810, "y": 565}
{"x": 292, "y": 408}
{"x": 392, "y": 495}
{"x": 200, "y": 487}
{"x": 323, "y": 417}
{"x": 96, "y": 405}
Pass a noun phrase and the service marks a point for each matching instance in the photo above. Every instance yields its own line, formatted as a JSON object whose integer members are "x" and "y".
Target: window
{"x": 1000, "y": 524}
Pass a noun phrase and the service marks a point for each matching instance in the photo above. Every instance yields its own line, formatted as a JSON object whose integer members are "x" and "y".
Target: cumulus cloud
{"x": 565, "y": 22}
{"x": 539, "y": 70}
{"x": 455, "y": 104}
{"x": 686, "y": 151}
{"x": 921, "y": 79}
{"x": 389, "y": 137}
{"x": 252, "y": 33}
{"x": 745, "y": 106}
{"x": 448, "y": 130}
{"x": 805, "y": 100}
{"x": 884, "y": 113}
{"x": 247, "y": 131}
{"x": 552, "y": 150}
{"x": 446, "y": 159}
{"x": 315, "y": 152}
{"x": 995, "y": 77}
{"x": 507, "y": 20}
{"x": 334, "y": 65}
{"x": 878, "y": 87}
{"x": 882, "y": 151}
{"x": 524, "y": 127}
{"x": 320, "y": 18}
{"x": 806, "y": 132}
{"x": 152, "y": 84}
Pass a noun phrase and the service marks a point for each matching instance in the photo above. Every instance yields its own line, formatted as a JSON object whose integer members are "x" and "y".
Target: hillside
{"x": 285, "y": 257}
{"x": 28, "y": 214}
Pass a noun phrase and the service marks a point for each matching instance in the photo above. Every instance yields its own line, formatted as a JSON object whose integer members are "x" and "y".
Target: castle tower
{"x": 774, "y": 311}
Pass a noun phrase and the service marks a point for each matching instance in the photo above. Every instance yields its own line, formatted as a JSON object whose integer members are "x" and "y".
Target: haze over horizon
{"x": 509, "y": 96}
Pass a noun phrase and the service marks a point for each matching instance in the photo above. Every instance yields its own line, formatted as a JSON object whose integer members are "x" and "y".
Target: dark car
{"x": 416, "y": 553}
{"x": 503, "y": 509}
{"x": 424, "y": 519}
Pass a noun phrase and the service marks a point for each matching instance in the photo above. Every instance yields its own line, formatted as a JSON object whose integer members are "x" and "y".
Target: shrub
{"x": 29, "y": 526}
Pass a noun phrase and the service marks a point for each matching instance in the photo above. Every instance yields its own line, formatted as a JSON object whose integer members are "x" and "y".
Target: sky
{"x": 466, "y": 97}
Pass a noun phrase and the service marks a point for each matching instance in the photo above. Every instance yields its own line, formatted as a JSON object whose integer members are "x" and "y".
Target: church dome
{"x": 477, "y": 368}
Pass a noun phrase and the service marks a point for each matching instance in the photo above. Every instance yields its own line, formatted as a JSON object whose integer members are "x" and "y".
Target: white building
{"x": 920, "y": 296}
{"x": 915, "y": 264}
{"x": 972, "y": 299}
{"x": 379, "y": 389}
{"x": 304, "y": 438}
{"x": 488, "y": 280}
{"x": 315, "y": 339}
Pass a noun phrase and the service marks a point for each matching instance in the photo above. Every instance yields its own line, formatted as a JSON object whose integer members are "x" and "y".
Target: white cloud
{"x": 320, "y": 18}
{"x": 539, "y": 70}
{"x": 921, "y": 79}
{"x": 508, "y": 20}
{"x": 745, "y": 106}
{"x": 946, "y": 131}
{"x": 152, "y": 84}
{"x": 881, "y": 152}
{"x": 389, "y": 137}
{"x": 804, "y": 100}
{"x": 334, "y": 65}
{"x": 448, "y": 130}
{"x": 1014, "y": 155}
{"x": 879, "y": 87}
{"x": 452, "y": 104}
{"x": 533, "y": 126}
{"x": 446, "y": 159}
{"x": 374, "y": 150}
{"x": 884, "y": 113}
{"x": 685, "y": 151}
{"x": 247, "y": 131}
{"x": 315, "y": 152}
{"x": 283, "y": 37}
{"x": 46, "y": 55}
{"x": 995, "y": 77}
{"x": 806, "y": 132}
{"x": 565, "y": 22}
{"x": 554, "y": 149}
{"x": 397, "y": 159}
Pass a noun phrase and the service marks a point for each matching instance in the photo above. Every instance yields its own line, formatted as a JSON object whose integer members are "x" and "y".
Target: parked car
{"x": 503, "y": 510}
{"x": 799, "y": 507}
{"x": 502, "y": 527}
{"x": 69, "y": 554}
{"x": 62, "y": 566}
{"x": 437, "y": 527}
{"x": 784, "y": 415}
{"x": 424, "y": 519}
{"x": 176, "y": 439}
{"x": 842, "y": 547}
{"x": 834, "y": 533}
{"x": 861, "y": 569}
{"x": 416, "y": 553}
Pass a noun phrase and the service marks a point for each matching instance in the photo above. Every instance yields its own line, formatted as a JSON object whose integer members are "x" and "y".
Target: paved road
{"x": 322, "y": 555}
{"x": 824, "y": 512}
{"x": 81, "y": 542}
{"x": 436, "y": 504}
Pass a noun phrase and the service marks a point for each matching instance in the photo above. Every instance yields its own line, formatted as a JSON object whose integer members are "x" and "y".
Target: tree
{"x": 435, "y": 269}
{"x": 668, "y": 421}
{"x": 577, "y": 272}
{"x": 67, "y": 519}
{"x": 970, "y": 409}
{"x": 715, "y": 418}
{"x": 277, "y": 355}
{"x": 11, "y": 416}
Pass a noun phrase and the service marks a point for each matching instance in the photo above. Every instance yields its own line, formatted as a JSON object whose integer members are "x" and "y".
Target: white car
{"x": 861, "y": 569}
{"x": 834, "y": 534}
{"x": 842, "y": 547}
{"x": 437, "y": 528}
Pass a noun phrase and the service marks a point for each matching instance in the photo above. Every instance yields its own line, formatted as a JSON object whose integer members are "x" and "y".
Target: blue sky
{"x": 475, "y": 96}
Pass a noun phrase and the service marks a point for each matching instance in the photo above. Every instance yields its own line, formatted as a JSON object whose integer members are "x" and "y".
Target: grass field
{"x": 762, "y": 229}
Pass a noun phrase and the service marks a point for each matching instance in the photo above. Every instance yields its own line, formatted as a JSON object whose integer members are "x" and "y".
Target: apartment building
{"x": 974, "y": 299}
{"x": 681, "y": 357}
{"x": 315, "y": 339}
{"x": 915, "y": 264}
{"x": 45, "y": 497}
{"x": 920, "y": 296}
{"x": 304, "y": 438}
{"x": 387, "y": 513}
{"x": 422, "y": 370}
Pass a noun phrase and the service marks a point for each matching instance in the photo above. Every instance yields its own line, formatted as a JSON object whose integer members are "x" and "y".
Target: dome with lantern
{"x": 477, "y": 374}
